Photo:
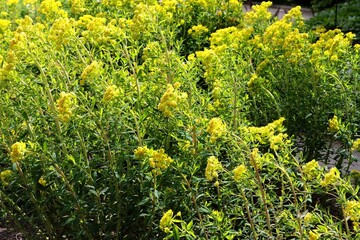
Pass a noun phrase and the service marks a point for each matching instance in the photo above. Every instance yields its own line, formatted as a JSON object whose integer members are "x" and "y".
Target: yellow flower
{"x": 29, "y": 1}
{"x": 212, "y": 168}
{"x": 216, "y": 128}
{"x": 4, "y": 24}
{"x": 258, "y": 13}
{"x": 197, "y": 30}
{"x": 310, "y": 169}
{"x": 356, "y": 145}
{"x": 352, "y": 210}
{"x": 331, "y": 177}
{"x": 276, "y": 141}
{"x": 169, "y": 101}
{"x": 12, "y": 2}
{"x": 91, "y": 71}
{"x": 313, "y": 236}
{"x": 308, "y": 217}
{"x": 141, "y": 152}
{"x": 4, "y": 176}
{"x": 334, "y": 125}
{"x": 62, "y": 31}
{"x": 18, "y": 151}
{"x": 166, "y": 221}
{"x": 239, "y": 172}
{"x": 64, "y": 105}
{"x": 77, "y": 6}
{"x": 42, "y": 181}
{"x": 52, "y": 9}
{"x": 159, "y": 160}
{"x": 111, "y": 92}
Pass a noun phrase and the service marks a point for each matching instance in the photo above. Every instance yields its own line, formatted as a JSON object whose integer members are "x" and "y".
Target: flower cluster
{"x": 239, "y": 172}
{"x": 311, "y": 170}
{"x": 258, "y": 14}
{"x": 352, "y": 210}
{"x": 77, "y": 6}
{"x": 258, "y": 160}
{"x": 197, "y": 30}
{"x": 270, "y": 134}
{"x": 62, "y": 31}
{"x": 52, "y": 9}
{"x": 91, "y": 71}
{"x": 141, "y": 152}
{"x": 332, "y": 177}
{"x": 171, "y": 99}
{"x": 42, "y": 181}
{"x": 212, "y": 168}
{"x": 157, "y": 159}
{"x": 356, "y": 145}
{"x": 111, "y": 92}
{"x": 64, "y": 105}
{"x": 4, "y": 177}
{"x": 334, "y": 125}
{"x": 216, "y": 128}
{"x": 18, "y": 151}
{"x": 308, "y": 218}
{"x": 166, "y": 221}
{"x": 313, "y": 236}
{"x": 97, "y": 31}
{"x": 12, "y": 2}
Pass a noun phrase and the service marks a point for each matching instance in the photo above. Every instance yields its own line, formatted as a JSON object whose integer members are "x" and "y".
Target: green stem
{"x": 248, "y": 212}
{"x": 258, "y": 178}
{"x": 48, "y": 226}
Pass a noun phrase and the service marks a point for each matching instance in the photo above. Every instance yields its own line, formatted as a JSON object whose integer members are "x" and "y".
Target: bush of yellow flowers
{"x": 175, "y": 119}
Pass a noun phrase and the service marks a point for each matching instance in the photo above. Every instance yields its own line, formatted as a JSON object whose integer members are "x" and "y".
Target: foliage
{"x": 142, "y": 119}
{"x": 346, "y": 16}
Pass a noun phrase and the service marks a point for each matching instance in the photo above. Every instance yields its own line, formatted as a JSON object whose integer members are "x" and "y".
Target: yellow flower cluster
{"x": 141, "y": 152}
{"x": 258, "y": 13}
{"x": 239, "y": 172}
{"x": 171, "y": 99}
{"x": 352, "y": 210}
{"x": 166, "y": 221}
{"x": 158, "y": 159}
{"x": 97, "y": 31}
{"x": 258, "y": 159}
{"x": 356, "y": 145}
{"x": 276, "y": 141}
{"x": 311, "y": 170}
{"x": 12, "y": 2}
{"x": 212, "y": 168}
{"x": 4, "y": 176}
{"x": 282, "y": 37}
{"x": 308, "y": 218}
{"x": 18, "y": 151}
{"x": 111, "y": 92}
{"x": 331, "y": 177}
{"x": 42, "y": 181}
{"x": 77, "y": 6}
{"x": 216, "y": 128}
{"x": 62, "y": 31}
{"x": 270, "y": 134}
{"x": 197, "y": 30}
{"x": 313, "y": 236}
{"x": 91, "y": 71}
{"x": 330, "y": 46}
{"x": 64, "y": 105}
{"x": 52, "y": 9}
{"x": 4, "y": 24}
{"x": 334, "y": 125}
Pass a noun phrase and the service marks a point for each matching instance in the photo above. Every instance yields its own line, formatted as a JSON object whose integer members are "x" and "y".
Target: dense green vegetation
{"x": 175, "y": 119}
